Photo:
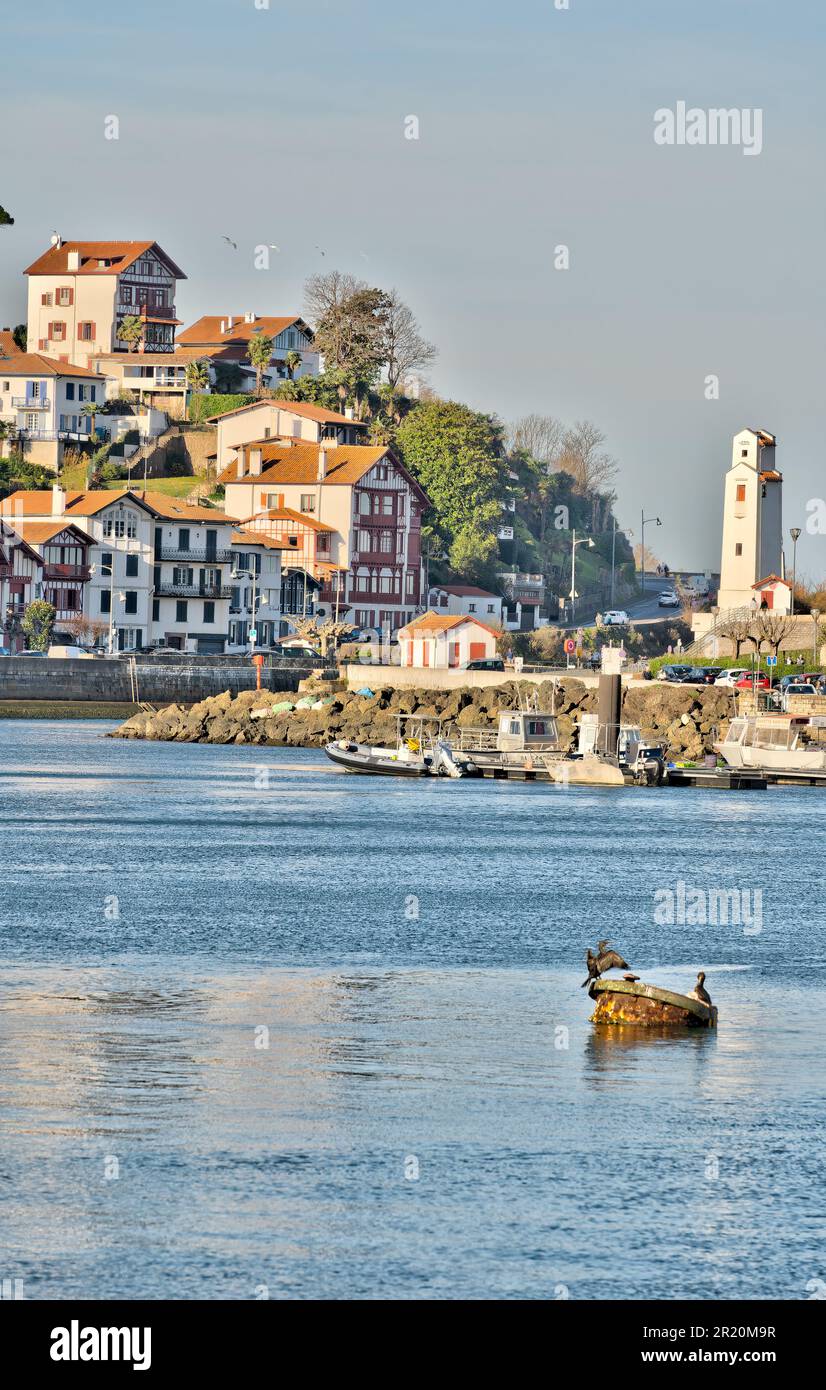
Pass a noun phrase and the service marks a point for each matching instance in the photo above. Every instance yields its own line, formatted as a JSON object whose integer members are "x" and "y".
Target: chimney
{"x": 230, "y": 320}
{"x": 249, "y": 318}
{"x": 322, "y": 465}
{"x": 348, "y": 411}
{"x": 255, "y": 463}
{"x": 73, "y": 260}
{"x": 223, "y": 325}
{"x": 58, "y": 500}
{"x": 239, "y": 465}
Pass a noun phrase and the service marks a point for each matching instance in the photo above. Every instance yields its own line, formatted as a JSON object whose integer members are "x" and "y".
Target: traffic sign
{"x": 570, "y": 645}
{"x": 252, "y": 634}
{"x": 771, "y": 660}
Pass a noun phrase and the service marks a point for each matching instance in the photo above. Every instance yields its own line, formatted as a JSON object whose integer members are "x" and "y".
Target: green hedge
{"x": 201, "y": 406}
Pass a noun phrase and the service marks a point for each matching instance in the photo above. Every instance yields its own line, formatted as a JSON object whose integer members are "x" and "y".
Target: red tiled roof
{"x": 38, "y": 532}
{"x": 438, "y": 622}
{"x": 55, "y": 261}
{"x": 8, "y": 347}
{"x": 208, "y": 328}
{"x": 288, "y": 514}
{"x": 298, "y": 463}
{"x": 38, "y": 364}
{"x": 306, "y": 409}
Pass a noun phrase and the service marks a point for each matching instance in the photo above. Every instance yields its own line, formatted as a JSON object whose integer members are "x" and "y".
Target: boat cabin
{"x": 781, "y": 731}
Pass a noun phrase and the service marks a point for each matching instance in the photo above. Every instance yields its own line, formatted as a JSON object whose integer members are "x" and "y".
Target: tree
{"x": 738, "y": 629}
{"x": 130, "y": 330}
{"x": 91, "y": 410}
{"x": 20, "y": 335}
{"x": 38, "y": 624}
{"x": 350, "y": 332}
{"x": 773, "y": 629}
{"x": 473, "y": 554}
{"x": 591, "y": 468}
{"x": 6, "y": 219}
{"x": 456, "y": 454}
{"x": 197, "y": 375}
{"x": 406, "y": 350}
{"x": 260, "y": 355}
{"x": 540, "y": 437}
{"x": 325, "y": 632}
{"x": 292, "y": 362}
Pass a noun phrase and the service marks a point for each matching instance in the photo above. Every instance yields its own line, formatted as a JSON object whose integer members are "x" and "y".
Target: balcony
{"x": 143, "y": 311}
{"x": 79, "y": 572}
{"x": 30, "y": 402}
{"x": 166, "y": 589}
{"x": 211, "y": 557}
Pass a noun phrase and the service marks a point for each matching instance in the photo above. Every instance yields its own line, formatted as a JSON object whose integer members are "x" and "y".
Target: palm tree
{"x": 91, "y": 410}
{"x": 130, "y": 330}
{"x": 260, "y": 355}
{"x": 292, "y": 362}
{"x": 197, "y": 375}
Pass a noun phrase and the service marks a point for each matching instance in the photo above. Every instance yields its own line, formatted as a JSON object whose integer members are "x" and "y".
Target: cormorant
{"x": 700, "y": 992}
{"x": 605, "y": 960}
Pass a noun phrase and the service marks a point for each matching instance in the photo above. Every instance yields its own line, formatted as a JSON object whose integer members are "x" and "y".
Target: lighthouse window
{"x": 741, "y": 492}
{"x": 738, "y": 549}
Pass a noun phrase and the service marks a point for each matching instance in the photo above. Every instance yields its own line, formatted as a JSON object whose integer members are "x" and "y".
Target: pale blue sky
{"x": 536, "y": 128}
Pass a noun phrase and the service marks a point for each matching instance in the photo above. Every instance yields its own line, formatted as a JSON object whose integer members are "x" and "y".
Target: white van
{"x": 65, "y": 652}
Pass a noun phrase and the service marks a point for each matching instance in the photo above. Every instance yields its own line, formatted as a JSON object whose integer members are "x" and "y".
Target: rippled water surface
{"x": 266, "y": 1024}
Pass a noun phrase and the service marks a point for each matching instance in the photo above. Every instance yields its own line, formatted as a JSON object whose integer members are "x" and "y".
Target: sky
{"x": 285, "y": 123}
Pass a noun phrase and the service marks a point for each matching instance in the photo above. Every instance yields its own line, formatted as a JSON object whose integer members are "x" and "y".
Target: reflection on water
{"x": 264, "y": 1037}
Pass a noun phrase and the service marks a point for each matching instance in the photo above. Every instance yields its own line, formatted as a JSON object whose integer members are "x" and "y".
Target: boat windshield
{"x": 736, "y": 730}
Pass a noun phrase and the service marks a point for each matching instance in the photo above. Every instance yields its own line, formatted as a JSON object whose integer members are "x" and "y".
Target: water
{"x": 434, "y": 1116}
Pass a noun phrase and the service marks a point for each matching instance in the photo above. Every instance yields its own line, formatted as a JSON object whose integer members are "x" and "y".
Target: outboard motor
{"x": 445, "y": 763}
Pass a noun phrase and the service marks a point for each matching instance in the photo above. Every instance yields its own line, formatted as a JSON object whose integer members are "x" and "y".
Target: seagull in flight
{"x": 229, "y": 240}
{"x": 272, "y": 246}
{"x": 324, "y": 253}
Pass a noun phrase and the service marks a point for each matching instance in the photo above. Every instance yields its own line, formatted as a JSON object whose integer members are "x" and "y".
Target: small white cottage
{"x": 446, "y": 641}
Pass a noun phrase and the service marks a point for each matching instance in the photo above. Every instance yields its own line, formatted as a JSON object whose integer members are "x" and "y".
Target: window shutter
{"x": 42, "y": 343}
{"x": 71, "y": 296}
{"x": 92, "y": 330}
{"x": 51, "y": 330}
{"x": 44, "y": 299}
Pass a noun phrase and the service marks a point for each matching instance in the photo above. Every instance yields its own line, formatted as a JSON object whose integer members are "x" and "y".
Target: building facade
{"x": 466, "y": 600}
{"x": 20, "y": 579}
{"x": 231, "y": 334}
{"x": 79, "y": 292}
{"x": 44, "y": 402}
{"x": 442, "y": 642}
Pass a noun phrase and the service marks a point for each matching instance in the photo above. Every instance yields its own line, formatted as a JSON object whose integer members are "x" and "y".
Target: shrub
{"x": 201, "y": 407}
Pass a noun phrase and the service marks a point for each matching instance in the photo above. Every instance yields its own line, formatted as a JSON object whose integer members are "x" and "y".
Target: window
{"x": 387, "y": 543}
{"x": 744, "y": 453}
{"x": 307, "y": 503}
{"x": 106, "y": 559}
{"x": 322, "y": 544}
{"x": 58, "y": 332}
{"x": 738, "y": 549}
{"x": 491, "y": 607}
{"x": 387, "y": 504}
{"x": 364, "y": 541}
{"x": 131, "y": 567}
{"x": 64, "y": 295}
{"x": 411, "y": 584}
{"x": 86, "y": 332}
{"x": 156, "y": 610}
{"x": 365, "y": 507}
{"x": 70, "y": 390}
{"x": 81, "y": 392}
{"x": 471, "y": 608}
{"x": 741, "y": 492}
{"x": 181, "y": 610}
{"x": 124, "y": 524}
{"x": 209, "y": 612}
{"x": 45, "y": 299}
{"x": 105, "y": 601}
{"x": 183, "y": 538}
{"x": 181, "y": 577}
{"x": 131, "y": 602}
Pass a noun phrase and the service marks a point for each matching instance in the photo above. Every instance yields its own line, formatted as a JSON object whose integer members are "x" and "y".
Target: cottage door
{"x": 453, "y": 657}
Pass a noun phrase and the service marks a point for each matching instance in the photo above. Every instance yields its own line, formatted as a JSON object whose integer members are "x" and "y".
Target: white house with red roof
{"x": 773, "y": 593}
{"x": 231, "y": 334}
{"x": 20, "y": 571}
{"x": 81, "y": 291}
{"x": 466, "y": 599}
{"x": 43, "y": 401}
{"x": 446, "y": 642}
{"x": 273, "y": 419}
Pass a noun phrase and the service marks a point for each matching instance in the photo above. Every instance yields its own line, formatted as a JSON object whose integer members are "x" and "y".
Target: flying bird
{"x": 324, "y": 253}
{"x": 272, "y": 246}
{"x": 229, "y": 240}
{"x": 602, "y": 961}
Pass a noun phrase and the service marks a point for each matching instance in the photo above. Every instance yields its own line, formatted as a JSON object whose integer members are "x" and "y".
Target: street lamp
{"x": 644, "y": 521}
{"x": 586, "y": 540}
{"x": 110, "y": 570}
{"x": 246, "y": 574}
{"x": 795, "y": 535}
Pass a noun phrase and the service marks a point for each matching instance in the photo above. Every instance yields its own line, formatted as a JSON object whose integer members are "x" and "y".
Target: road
{"x": 643, "y": 610}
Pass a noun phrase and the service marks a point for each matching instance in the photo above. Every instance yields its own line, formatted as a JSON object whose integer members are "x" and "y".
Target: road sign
{"x": 771, "y": 660}
{"x": 570, "y": 645}
{"x": 253, "y": 635}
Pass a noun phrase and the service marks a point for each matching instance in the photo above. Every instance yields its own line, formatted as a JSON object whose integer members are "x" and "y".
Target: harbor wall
{"x": 159, "y": 682}
{"x": 426, "y": 678}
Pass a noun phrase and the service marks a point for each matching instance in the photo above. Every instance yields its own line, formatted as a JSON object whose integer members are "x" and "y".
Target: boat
{"x": 525, "y": 739}
{"x": 647, "y": 1006}
{"x": 419, "y": 751}
{"x": 639, "y": 760}
{"x": 780, "y": 742}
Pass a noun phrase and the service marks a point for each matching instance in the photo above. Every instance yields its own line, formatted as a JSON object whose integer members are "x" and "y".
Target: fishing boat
{"x": 780, "y": 742}
{"x": 647, "y": 1006}
{"x": 525, "y": 739}
{"x": 419, "y": 751}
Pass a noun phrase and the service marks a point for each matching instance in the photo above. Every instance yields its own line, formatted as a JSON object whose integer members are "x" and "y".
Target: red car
{"x": 748, "y": 682}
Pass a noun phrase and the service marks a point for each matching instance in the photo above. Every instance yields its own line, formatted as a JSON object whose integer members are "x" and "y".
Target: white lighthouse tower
{"x": 752, "y": 520}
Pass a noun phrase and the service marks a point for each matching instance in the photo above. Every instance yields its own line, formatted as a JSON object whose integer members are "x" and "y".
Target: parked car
{"x": 668, "y": 599}
{"x": 707, "y": 674}
{"x": 487, "y": 663}
{"x": 731, "y": 675}
{"x": 800, "y": 688}
{"x": 750, "y": 680}
{"x": 615, "y": 617}
{"x": 69, "y": 652}
{"x": 673, "y": 673}
{"x": 28, "y": 653}
{"x": 297, "y": 651}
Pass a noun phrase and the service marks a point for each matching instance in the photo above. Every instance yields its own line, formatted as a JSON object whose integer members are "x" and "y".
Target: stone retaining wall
{"x": 187, "y": 680}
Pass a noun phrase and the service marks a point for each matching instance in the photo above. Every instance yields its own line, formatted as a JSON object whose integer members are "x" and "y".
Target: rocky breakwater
{"x": 685, "y": 718}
